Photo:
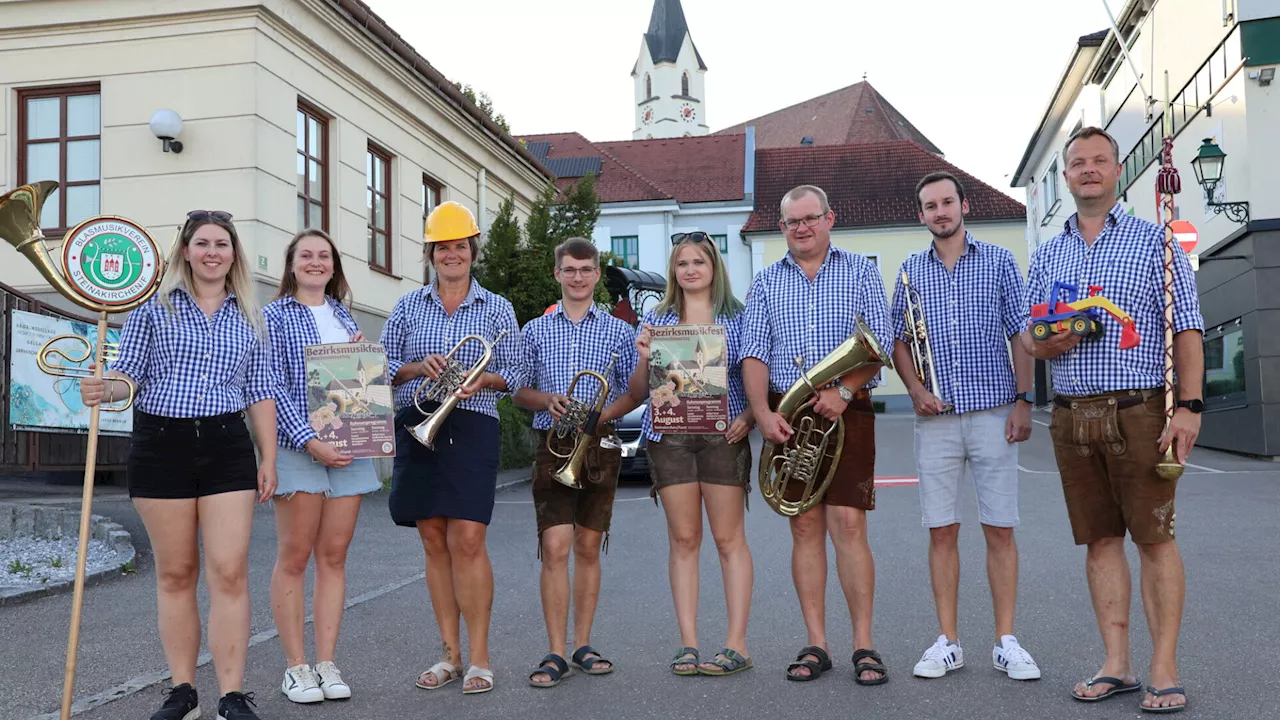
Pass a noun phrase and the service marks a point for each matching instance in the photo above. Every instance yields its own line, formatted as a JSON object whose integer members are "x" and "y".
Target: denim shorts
{"x": 298, "y": 472}
{"x": 946, "y": 446}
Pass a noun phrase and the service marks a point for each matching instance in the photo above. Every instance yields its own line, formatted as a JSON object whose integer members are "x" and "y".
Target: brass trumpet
{"x": 917, "y": 337}
{"x": 811, "y": 454}
{"x": 443, "y": 390}
{"x": 45, "y": 360}
{"x": 579, "y": 422}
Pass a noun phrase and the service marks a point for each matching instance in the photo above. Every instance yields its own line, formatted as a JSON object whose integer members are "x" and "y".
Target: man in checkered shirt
{"x": 1108, "y": 421}
{"x": 970, "y": 296}
{"x": 806, "y": 305}
{"x": 575, "y": 336}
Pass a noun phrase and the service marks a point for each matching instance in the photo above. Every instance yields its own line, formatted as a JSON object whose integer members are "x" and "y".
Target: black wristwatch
{"x": 1024, "y": 397}
{"x": 1195, "y": 406}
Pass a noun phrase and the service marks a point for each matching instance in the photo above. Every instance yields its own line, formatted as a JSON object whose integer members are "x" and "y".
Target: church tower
{"x": 669, "y": 77}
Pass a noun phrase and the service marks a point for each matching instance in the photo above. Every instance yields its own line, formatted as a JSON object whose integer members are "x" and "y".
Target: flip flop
{"x": 860, "y": 665}
{"x": 473, "y": 673}
{"x": 815, "y": 668}
{"x": 588, "y": 664}
{"x": 1167, "y": 691}
{"x": 440, "y": 670}
{"x": 726, "y": 662}
{"x": 552, "y": 666}
{"x": 1117, "y": 686}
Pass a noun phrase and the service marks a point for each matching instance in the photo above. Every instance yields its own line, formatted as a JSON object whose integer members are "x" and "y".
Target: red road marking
{"x": 896, "y": 480}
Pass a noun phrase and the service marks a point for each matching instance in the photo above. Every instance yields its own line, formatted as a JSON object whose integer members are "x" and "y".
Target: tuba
{"x": 810, "y": 455}
{"x": 579, "y": 422}
{"x": 917, "y": 338}
{"x": 443, "y": 389}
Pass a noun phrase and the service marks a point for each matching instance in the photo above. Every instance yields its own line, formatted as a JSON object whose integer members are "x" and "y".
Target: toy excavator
{"x": 1080, "y": 317}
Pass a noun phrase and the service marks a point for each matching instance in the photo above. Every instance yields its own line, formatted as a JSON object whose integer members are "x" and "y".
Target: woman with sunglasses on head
{"x": 198, "y": 355}
{"x": 692, "y": 471}
{"x": 318, "y": 498}
{"x": 447, "y": 491}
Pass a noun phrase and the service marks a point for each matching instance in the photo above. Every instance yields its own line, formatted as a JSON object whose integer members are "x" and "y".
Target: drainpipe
{"x": 481, "y": 200}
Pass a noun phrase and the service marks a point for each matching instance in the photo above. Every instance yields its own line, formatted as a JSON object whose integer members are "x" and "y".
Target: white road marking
{"x": 1039, "y": 422}
{"x": 1201, "y": 467}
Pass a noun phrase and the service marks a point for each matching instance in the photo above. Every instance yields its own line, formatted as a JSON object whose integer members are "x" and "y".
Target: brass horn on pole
{"x": 109, "y": 265}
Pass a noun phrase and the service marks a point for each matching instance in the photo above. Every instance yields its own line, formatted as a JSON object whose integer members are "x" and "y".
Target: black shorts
{"x": 182, "y": 458}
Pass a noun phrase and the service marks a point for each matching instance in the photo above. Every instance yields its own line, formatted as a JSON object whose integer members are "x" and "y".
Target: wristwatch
{"x": 845, "y": 393}
{"x": 1195, "y": 406}
{"x": 1024, "y": 397}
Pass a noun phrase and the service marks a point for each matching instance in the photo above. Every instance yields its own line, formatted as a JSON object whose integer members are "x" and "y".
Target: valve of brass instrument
{"x": 56, "y": 359}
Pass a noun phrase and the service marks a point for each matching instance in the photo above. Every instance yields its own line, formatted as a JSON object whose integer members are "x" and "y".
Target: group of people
{"x": 203, "y": 355}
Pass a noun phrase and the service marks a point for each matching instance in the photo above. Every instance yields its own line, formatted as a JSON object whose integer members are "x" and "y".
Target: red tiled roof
{"x": 688, "y": 170}
{"x": 868, "y": 184}
{"x": 855, "y": 114}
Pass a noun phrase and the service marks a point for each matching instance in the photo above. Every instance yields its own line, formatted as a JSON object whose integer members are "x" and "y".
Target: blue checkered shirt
{"x": 291, "y": 327}
{"x": 556, "y": 348}
{"x": 789, "y": 315}
{"x": 188, "y": 365}
{"x": 1127, "y": 260}
{"x": 971, "y": 312}
{"x": 418, "y": 326}
{"x": 733, "y": 328}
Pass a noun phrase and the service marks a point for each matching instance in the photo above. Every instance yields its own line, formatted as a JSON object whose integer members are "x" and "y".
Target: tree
{"x": 485, "y": 103}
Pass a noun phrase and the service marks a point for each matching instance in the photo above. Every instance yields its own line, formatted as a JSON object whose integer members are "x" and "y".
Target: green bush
{"x": 515, "y": 429}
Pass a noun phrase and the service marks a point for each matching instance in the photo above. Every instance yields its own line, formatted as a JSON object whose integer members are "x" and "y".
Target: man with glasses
{"x": 805, "y": 305}
{"x": 573, "y": 337}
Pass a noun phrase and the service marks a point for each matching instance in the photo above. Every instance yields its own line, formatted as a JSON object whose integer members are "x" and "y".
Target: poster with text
{"x": 689, "y": 379}
{"x": 40, "y": 402}
{"x": 349, "y": 400}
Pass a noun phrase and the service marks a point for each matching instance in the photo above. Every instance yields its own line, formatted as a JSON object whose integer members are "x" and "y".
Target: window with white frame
{"x": 1049, "y": 198}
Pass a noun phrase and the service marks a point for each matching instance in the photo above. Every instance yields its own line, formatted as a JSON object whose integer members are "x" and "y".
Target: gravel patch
{"x": 34, "y": 562}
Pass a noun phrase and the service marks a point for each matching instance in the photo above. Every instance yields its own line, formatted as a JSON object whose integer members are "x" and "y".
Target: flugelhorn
{"x": 444, "y": 388}
{"x": 109, "y": 264}
{"x": 917, "y": 338}
{"x": 810, "y": 455}
{"x": 579, "y": 422}
{"x": 69, "y": 364}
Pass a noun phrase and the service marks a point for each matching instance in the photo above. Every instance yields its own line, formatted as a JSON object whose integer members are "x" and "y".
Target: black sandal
{"x": 863, "y": 666}
{"x": 554, "y": 667}
{"x": 680, "y": 659}
{"x": 588, "y": 664}
{"x": 815, "y": 668}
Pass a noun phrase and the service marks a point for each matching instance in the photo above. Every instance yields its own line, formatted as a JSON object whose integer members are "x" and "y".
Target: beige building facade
{"x": 295, "y": 113}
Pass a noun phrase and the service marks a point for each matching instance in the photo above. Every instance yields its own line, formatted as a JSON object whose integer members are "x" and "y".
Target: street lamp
{"x": 1208, "y": 165}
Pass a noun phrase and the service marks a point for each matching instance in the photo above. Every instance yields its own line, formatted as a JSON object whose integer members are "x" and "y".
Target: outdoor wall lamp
{"x": 167, "y": 126}
{"x": 1208, "y": 165}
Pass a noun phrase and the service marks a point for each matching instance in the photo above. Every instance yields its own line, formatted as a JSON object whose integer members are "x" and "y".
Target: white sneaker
{"x": 300, "y": 685}
{"x": 331, "y": 681}
{"x": 1009, "y": 657}
{"x": 941, "y": 658}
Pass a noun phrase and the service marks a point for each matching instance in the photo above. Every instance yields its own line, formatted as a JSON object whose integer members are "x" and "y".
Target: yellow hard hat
{"x": 450, "y": 221}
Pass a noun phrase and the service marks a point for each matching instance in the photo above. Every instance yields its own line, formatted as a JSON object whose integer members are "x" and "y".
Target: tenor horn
{"x": 917, "y": 338}
{"x": 579, "y": 423}
{"x": 445, "y": 387}
{"x": 56, "y": 359}
{"x": 809, "y": 457}
{"x": 109, "y": 265}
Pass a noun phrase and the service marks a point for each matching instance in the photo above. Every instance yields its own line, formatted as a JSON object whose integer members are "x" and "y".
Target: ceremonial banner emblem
{"x": 110, "y": 260}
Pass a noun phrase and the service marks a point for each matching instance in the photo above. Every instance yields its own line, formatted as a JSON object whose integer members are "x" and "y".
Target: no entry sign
{"x": 1186, "y": 235}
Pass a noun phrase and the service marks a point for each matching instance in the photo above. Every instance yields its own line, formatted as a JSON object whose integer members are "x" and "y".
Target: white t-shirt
{"x": 327, "y": 322}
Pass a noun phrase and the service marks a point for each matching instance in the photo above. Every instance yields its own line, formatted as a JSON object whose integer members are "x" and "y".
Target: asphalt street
{"x": 1228, "y": 508}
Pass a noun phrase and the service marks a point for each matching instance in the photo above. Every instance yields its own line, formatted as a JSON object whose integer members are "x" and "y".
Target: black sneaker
{"x": 235, "y": 706}
{"x": 181, "y": 704}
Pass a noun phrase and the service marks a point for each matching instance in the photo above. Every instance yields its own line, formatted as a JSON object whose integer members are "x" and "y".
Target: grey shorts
{"x": 298, "y": 472}
{"x": 948, "y": 445}
{"x": 677, "y": 459}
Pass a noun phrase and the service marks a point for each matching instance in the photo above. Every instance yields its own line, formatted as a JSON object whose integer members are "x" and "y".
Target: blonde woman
{"x": 198, "y": 355}
{"x": 691, "y": 472}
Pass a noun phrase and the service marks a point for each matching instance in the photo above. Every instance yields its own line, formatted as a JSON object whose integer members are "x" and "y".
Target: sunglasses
{"x": 697, "y": 236}
{"x": 202, "y": 215}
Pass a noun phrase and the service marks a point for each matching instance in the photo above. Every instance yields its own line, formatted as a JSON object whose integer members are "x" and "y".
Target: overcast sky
{"x": 973, "y": 75}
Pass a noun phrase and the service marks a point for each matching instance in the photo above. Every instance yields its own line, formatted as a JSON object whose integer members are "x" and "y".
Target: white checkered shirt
{"x": 189, "y": 365}
{"x": 789, "y": 315}
{"x": 1127, "y": 260}
{"x": 971, "y": 312}
{"x": 556, "y": 348}
{"x": 418, "y": 326}
{"x": 291, "y": 327}
{"x": 733, "y": 340}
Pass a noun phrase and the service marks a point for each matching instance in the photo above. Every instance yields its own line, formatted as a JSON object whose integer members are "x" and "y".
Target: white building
{"x": 669, "y": 78}
{"x": 295, "y": 113}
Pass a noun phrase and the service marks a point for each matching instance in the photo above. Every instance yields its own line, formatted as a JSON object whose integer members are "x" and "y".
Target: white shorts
{"x": 297, "y": 472}
{"x": 948, "y": 444}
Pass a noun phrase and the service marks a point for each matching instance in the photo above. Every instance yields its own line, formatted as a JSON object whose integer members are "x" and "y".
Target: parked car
{"x": 635, "y": 463}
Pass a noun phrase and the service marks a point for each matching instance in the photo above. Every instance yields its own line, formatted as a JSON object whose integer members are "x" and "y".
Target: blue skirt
{"x": 455, "y": 480}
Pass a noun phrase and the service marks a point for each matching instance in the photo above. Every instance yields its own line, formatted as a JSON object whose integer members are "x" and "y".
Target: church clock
{"x": 647, "y": 116}
{"x": 687, "y": 113}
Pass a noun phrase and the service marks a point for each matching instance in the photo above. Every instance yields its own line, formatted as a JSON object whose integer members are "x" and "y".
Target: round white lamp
{"x": 167, "y": 126}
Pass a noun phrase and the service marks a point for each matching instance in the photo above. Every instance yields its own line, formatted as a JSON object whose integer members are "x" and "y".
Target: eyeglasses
{"x": 696, "y": 236}
{"x": 572, "y": 273}
{"x": 202, "y": 215}
{"x": 809, "y": 221}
